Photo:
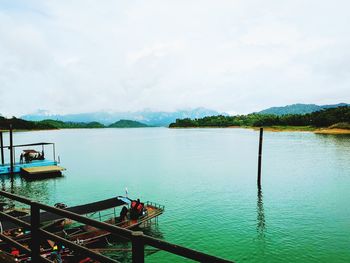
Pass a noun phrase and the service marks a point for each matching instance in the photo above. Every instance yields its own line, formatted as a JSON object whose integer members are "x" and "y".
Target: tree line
{"x": 20, "y": 124}
{"x": 323, "y": 118}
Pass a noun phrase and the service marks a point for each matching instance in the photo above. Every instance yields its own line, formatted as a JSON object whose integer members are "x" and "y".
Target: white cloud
{"x": 156, "y": 50}
{"x": 236, "y": 56}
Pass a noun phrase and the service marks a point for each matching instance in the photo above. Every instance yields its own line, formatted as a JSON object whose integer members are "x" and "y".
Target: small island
{"x": 128, "y": 124}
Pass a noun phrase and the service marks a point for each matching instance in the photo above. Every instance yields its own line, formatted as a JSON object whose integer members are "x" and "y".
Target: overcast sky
{"x": 228, "y": 55}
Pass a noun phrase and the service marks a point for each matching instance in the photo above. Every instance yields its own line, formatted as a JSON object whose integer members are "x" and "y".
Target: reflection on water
{"x": 3, "y": 185}
{"x": 38, "y": 190}
{"x": 120, "y": 249}
{"x": 260, "y": 224}
{"x": 153, "y": 230}
{"x": 335, "y": 137}
{"x": 260, "y": 216}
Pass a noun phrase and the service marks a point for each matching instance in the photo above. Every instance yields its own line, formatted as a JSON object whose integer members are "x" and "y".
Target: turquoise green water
{"x": 206, "y": 178}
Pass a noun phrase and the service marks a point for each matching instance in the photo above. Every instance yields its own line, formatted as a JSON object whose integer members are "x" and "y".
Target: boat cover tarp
{"x": 80, "y": 209}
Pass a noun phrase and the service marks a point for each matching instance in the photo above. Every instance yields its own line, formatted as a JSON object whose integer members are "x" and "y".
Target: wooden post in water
{"x": 11, "y": 150}
{"x": 259, "y": 157}
{"x": 1, "y": 148}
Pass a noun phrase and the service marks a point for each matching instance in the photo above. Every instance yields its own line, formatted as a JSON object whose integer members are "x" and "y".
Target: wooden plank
{"x": 43, "y": 169}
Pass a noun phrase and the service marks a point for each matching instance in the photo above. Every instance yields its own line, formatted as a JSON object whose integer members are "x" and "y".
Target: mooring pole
{"x": 260, "y": 155}
{"x": 2, "y": 148}
{"x": 11, "y": 150}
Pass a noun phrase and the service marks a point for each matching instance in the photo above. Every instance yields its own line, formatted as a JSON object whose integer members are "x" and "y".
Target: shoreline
{"x": 75, "y": 128}
{"x": 334, "y": 131}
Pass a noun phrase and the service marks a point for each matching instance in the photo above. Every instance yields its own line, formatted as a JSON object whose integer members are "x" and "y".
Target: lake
{"x": 206, "y": 178}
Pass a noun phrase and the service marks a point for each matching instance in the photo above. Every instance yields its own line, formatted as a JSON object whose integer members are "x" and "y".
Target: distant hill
{"x": 153, "y": 118}
{"x": 70, "y": 125}
{"x": 299, "y": 108}
{"x": 128, "y": 124}
{"x": 19, "y": 124}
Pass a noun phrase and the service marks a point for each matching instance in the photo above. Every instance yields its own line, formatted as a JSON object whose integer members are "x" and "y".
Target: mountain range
{"x": 299, "y": 108}
{"x": 163, "y": 118}
{"x": 151, "y": 118}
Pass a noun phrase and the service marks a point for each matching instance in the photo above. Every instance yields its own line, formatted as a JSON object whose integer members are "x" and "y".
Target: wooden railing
{"x": 138, "y": 239}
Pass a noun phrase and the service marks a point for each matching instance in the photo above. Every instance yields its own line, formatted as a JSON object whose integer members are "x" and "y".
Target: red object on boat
{"x": 15, "y": 252}
{"x": 86, "y": 260}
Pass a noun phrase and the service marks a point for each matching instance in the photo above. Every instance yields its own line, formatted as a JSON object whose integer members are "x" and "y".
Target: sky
{"x": 235, "y": 56}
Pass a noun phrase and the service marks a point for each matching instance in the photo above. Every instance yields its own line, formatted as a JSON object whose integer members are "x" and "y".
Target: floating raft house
{"x": 31, "y": 169}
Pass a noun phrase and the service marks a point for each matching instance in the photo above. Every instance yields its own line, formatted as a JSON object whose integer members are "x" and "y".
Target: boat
{"x": 87, "y": 235}
{"x": 106, "y": 211}
{"x": 14, "y": 211}
{"x": 55, "y": 222}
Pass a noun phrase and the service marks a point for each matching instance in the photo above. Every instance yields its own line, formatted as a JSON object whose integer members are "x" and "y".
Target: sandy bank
{"x": 332, "y": 131}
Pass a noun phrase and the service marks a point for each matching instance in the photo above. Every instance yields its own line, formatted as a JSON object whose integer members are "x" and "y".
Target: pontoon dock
{"x": 41, "y": 171}
{"x": 34, "y": 168}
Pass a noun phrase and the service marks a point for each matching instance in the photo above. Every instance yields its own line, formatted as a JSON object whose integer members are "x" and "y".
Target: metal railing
{"x": 156, "y": 205}
{"x": 138, "y": 239}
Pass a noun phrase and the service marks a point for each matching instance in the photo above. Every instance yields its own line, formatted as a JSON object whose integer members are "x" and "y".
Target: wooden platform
{"x": 17, "y": 168}
{"x": 43, "y": 169}
{"x": 41, "y": 172}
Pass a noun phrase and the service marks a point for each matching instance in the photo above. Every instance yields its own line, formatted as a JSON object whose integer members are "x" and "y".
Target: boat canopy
{"x": 80, "y": 209}
{"x": 29, "y": 144}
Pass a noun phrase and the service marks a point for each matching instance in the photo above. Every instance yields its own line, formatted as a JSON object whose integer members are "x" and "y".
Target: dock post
{"x": 138, "y": 247}
{"x": 54, "y": 153}
{"x": 259, "y": 157}
{"x": 11, "y": 149}
{"x": 2, "y": 148}
{"x": 35, "y": 234}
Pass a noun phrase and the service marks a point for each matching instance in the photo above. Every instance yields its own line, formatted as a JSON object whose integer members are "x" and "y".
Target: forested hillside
{"x": 19, "y": 124}
{"x": 299, "y": 108}
{"x": 323, "y": 118}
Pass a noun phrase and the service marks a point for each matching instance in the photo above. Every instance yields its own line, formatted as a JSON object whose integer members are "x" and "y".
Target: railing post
{"x": 11, "y": 150}
{"x": 1, "y": 148}
{"x": 35, "y": 234}
{"x": 138, "y": 247}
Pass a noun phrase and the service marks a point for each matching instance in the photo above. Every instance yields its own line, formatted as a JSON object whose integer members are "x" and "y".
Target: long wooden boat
{"x": 87, "y": 235}
{"x": 50, "y": 218}
{"x": 82, "y": 234}
{"x": 12, "y": 210}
